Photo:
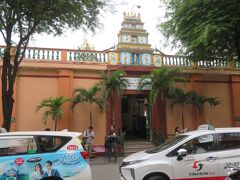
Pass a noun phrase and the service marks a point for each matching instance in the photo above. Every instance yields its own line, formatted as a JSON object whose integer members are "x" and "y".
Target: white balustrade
{"x": 37, "y": 54}
{"x": 87, "y": 56}
{"x": 182, "y": 61}
{"x": 213, "y": 64}
{"x": 42, "y": 54}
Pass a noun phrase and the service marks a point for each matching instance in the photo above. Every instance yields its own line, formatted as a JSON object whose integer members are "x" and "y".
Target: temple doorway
{"x": 134, "y": 117}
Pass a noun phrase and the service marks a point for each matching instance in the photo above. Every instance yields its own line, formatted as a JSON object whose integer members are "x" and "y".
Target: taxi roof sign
{"x": 206, "y": 127}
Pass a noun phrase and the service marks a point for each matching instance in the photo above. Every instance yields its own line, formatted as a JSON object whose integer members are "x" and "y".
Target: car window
{"x": 229, "y": 141}
{"x": 51, "y": 143}
{"x": 167, "y": 144}
{"x": 13, "y": 146}
{"x": 198, "y": 145}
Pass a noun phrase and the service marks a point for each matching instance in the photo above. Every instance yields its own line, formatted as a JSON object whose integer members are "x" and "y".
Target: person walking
{"x": 89, "y": 135}
{"x": 111, "y": 144}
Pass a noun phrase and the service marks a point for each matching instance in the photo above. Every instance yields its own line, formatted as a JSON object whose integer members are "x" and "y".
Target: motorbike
{"x": 233, "y": 173}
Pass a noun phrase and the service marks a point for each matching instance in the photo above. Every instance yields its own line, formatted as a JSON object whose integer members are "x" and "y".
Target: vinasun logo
{"x": 198, "y": 166}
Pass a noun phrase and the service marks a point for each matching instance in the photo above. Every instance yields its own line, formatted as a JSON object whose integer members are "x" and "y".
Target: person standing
{"x": 177, "y": 131}
{"x": 89, "y": 136}
{"x": 111, "y": 144}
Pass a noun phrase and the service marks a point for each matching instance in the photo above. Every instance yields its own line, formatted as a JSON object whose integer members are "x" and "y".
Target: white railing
{"x": 213, "y": 64}
{"x": 42, "y": 54}
{"x": 39, "y": 54}
{"x": 83, "y": 56}
{"x": 87, "y": 56}
{"x": 182, "y": 61}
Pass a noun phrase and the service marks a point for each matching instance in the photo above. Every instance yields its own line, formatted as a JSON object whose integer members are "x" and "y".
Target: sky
{"x": 152, "y": 12}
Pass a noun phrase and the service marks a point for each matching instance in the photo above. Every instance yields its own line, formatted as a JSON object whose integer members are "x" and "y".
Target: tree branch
{"x": 4, "y": 27}
{"x": 26, "y": 40}
{"x": 19, "y": 60}
{"x": 2, "y": 22}
{"x": 20, "y": 27}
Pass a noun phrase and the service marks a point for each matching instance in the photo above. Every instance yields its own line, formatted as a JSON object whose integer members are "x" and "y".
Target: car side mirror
{"x": 181, "y": 153}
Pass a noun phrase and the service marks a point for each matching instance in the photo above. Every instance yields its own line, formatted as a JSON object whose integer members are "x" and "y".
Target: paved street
{"x": 103, "y": 170}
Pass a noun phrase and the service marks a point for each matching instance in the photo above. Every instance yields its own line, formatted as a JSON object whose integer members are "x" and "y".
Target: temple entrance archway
{"x": 135, "y": 117}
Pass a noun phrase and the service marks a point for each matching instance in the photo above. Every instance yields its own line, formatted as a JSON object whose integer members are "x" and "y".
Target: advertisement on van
{"x": 62, "y": 164}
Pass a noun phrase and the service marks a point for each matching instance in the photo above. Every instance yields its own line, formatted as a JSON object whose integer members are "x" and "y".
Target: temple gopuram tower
{"x": 133, "y": 47}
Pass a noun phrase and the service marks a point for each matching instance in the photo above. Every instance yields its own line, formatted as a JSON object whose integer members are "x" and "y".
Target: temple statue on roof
{"x": 85, "y": 45}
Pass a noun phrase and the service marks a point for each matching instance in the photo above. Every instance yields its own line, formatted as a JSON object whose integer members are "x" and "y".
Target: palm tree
{"x": 213, "y": 101}
{"x": 112, "y": 85}
{"x": 54, "y": 110}
{"x": 182, "y": 98}
{"x": 82, "y": 95}
{"x": 197, "y": 100}
{"x": 161, "y": 82}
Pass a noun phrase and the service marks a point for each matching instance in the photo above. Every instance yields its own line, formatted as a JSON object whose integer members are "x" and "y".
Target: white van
{"x": 43, "y": 155}
{"x": 201, "y": 154}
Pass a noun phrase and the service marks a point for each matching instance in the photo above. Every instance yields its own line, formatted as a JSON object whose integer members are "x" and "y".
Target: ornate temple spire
{"x": 85, "y": 45}
{"x": 132, "y": 16}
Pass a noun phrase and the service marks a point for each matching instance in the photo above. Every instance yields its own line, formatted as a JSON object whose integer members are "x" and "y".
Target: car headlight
{"x": 135, "y": 162}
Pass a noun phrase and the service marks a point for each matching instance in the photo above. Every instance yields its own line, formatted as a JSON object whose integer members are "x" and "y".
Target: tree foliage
{"x": 213, "y": 101}
{"x": 207, "y": 29}
{"x": 182, "y": 98}
{"x": 113, "y": 84}
{"x": 53, "y": 108}
{"x": 197, "y": 100}
{"x": 162, "y": 82}
{"x": 20, "y": 19}
{"x": 82, "y": 95}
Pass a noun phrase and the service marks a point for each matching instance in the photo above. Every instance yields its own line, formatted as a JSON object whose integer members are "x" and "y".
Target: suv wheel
{"x": 156, "y": 177}
{"x": 52, "y": 178}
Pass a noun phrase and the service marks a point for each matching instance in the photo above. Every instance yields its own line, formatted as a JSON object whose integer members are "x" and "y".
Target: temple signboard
{"x": 133, "y": 84}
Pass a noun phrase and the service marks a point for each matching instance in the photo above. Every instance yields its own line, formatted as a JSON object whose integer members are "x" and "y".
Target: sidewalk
{"x": 104, "y": 160}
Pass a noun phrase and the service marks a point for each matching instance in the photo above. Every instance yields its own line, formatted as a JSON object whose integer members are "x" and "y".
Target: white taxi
{"x": 42, "y": 154}
{"x": 201, "y": 154}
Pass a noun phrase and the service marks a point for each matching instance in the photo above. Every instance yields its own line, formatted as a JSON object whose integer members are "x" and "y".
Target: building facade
{"x": 57, "y": 72}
